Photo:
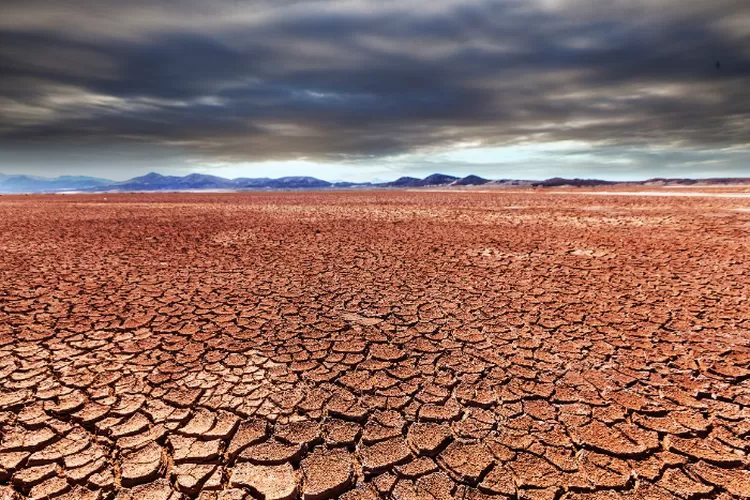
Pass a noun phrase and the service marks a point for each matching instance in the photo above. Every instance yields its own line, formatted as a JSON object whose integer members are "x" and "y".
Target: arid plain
{"x": 392, "y": 344}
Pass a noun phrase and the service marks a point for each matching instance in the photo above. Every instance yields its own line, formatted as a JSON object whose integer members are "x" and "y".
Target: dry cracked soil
{"x": 363, "y": 345}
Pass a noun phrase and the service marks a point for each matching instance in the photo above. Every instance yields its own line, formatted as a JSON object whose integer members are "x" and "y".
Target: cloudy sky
{"x": 357, "y": 90}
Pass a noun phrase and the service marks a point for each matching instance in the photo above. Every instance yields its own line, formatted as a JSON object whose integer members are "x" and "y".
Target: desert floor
{"x": 432, "y": 345}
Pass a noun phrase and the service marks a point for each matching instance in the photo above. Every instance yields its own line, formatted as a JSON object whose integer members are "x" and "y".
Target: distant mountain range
{"x": 33, "y": 184}
{"x": 196, "y": 182}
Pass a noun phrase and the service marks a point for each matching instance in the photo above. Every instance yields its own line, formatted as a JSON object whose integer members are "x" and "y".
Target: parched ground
{"x": 411, "y": 345}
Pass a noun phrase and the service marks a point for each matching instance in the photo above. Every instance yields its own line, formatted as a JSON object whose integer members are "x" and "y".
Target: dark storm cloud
{"x": 327, "y": 80}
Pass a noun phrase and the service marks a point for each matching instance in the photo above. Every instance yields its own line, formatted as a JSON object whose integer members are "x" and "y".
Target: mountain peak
{"x": 151, "y": 175}
{"x": 471, "y": 180}
{"x": 437, "y": 179}
{"x": 430, "y": 180}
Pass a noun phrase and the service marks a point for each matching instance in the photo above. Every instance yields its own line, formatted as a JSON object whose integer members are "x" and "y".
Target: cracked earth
{"x": 374, "y": 345}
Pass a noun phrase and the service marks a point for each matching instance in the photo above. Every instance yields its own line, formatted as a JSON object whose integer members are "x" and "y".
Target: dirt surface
{"x": 355, "y": 345}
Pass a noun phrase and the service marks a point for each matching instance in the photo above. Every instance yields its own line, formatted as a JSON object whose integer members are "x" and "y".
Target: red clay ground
{"x": 417, "y": 345}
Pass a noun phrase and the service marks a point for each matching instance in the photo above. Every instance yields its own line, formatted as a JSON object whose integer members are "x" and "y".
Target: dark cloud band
{"x": 345, "y": 80}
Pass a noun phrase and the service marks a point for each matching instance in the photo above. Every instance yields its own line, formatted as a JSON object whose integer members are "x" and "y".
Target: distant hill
{"x": 198, "y": 181}
{"x": 345, "y": 185}
{"x": 471, "y": 180}
{"x": 158, "y": 182}
{"x": 11, "y": 184}
{"x": 402, "y": 182}
{"x": 245, "y": 183}
{"x": 412, "y": 182}
{"x": 718, "y": 181}
{"x": 298, "y": 183}
{"x": 32, "y": 184}
{"x": 438, "y": 180}
{"x": 559, "y": 181}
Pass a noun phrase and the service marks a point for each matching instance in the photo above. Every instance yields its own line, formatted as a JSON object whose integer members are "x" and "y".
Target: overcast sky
{"x": 357, "y": 90}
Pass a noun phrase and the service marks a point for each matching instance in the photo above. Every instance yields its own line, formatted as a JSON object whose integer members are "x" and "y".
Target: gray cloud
{"x": 239, "y": 81}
